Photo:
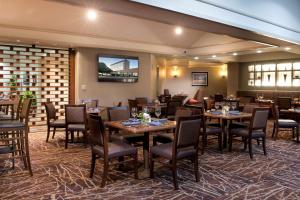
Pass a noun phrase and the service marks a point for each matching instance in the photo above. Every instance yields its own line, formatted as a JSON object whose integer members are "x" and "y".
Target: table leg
{"x": 146, "y": 171}
{"x": 224, "y": 128}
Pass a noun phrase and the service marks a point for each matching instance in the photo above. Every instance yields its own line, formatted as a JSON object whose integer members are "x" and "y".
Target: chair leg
{"x": 250, "y": 147}
{"x": 220, "y": 142}
{"x": 151, "y": 165}
{"x": 48, "y": 133}
{"x": 72, "y": 136}
{"x": 27, "y": 153}
{"x": 67, "y": 139}
{"x": 264, "y": 145}
{"x": 105, "y": 173}
{"x": 174, "y": 172}
{"x": 297, "y": 133}
{"x": 54, "y": 130}
{"x": 276, "y": 133}
{"x": 93, "y": 165}
{"x": 230, "y": 142}
{"x": 121, "y": 165}
{"x": 136, "y": 169}
{"x": 245, "y": 143}
{"x": 196, "y": 169}
{"x": 258, "y": 143}
{"x": 273, "y": 133}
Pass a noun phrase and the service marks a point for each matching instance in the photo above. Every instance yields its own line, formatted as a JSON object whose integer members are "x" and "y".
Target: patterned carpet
{"x": 63, "y": 174}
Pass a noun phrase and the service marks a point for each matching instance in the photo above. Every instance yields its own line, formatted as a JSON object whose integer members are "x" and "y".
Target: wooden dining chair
{"x": 102, "y": 148}
{"x": 14, "y": 133}
{"x": 284, "y": 124}
{"x": 184, "y": 146}
{"x": 256, "y": 130}
{"x": 52, "y": 120}
{"x": 75, "y": 120}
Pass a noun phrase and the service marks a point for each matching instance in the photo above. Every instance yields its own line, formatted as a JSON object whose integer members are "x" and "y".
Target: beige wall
{"x": 109, "y": 93}
{"x": 183, "y": 83}
{"x": 233, "y": 78}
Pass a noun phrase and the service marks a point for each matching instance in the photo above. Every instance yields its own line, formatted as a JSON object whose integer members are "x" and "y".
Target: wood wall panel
{"x": 43, "y": 71}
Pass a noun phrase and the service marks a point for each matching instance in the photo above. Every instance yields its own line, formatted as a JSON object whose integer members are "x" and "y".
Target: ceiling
{"x": 63, "y": 24}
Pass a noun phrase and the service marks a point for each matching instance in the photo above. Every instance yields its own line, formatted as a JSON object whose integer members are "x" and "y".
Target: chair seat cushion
{"x": 287, "y": 123}
{"x": 59, "y": 123}
{"x": 165, "y": 150}
{"x": 244, "y": 132}
{"x": 115, "y": 149}
{"x": 11, "y": 124}
{"x": 239, "y": 125}
{"x": 76, "y": 127}
{"x": 213, "y": 131}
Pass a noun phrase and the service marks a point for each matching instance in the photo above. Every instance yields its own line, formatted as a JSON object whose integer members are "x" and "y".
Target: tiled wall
{"x": 43, "y": 71}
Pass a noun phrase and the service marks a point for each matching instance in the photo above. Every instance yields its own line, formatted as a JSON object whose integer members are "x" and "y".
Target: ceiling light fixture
{"x": 214, "y": 56}
{"x": 258, "y": 51}
{"x": 196, "y": 58}
{"x": 178, "y": 30}
{"x": 18, "y": 40}
{"x": 91, "y": 15}
{"x": 235, "y": 54}
{"x": 287, "y": 48}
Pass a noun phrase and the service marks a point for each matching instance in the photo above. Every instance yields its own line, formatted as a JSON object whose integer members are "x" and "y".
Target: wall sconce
{"x": 175, "y": 72}
{"x": 223, "y": 71}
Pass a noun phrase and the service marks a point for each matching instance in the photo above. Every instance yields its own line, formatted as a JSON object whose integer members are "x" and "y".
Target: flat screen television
{"x": 113, "y": 68}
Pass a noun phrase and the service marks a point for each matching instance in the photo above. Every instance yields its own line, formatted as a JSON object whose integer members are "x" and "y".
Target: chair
{"x": 102, "y": 148}
{"x": 15, "y": 111}
{"x": 169, "y": 137}
{"x": 248, "y": 108}
{"x": 132, "y": 103}
{"x": 284, "y": 103}
{"x": 75, "y": 120}
{"x": 90, "y": 103}
{"x": 284, "y": 123}
{"x": 52, "y": 121}
{"x": 171, "y": 108}
{"x": 141, "y": 100}
{"x": 185, "y": 145}
{"x": 256, "y": 130}
{"x": 166, "y": 92}
{"x": 118, "y": 114}
{"x": 14, "y": 134}
{"x": 219, "y": 98}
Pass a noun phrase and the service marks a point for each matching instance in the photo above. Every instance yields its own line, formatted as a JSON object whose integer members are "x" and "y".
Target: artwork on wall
{"x": 199, "y": 78}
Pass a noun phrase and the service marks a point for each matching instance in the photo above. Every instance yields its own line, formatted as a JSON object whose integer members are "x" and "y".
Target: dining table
{"x": 226, "y": 117}
{"x": 146, "y": 129}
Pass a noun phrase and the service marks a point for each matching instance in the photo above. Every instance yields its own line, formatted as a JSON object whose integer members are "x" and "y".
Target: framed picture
{"x": 199, "y": 78}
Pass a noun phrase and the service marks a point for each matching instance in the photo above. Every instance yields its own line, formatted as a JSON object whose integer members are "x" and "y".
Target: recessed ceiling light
{"x": 214, "y": 56}
{"x": 196, "y": 58}
{"x": 91, "y": 15}
{"x": 18, "y": 40}
{"x": 178, "y": 30}
{"x": 258, "y": 51}
{"x": 287, "y": 48}
{"x": 37, "y": 42}
{"x": 235, "y": 54}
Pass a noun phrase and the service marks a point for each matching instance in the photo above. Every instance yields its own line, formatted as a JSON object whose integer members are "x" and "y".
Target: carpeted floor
{"x": 63, "y": 174}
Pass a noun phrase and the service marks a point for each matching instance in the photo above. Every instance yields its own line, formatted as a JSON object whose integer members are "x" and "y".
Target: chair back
{"x": 276, "y": 113}
{"x": 17, "y": 108}
{"x": 141, "y": 100}
{"x": 284, "y": 102}
{"x": 182, "y": 113}
{"x": 24, "y": 114}
{"x": 118, "y": 113}
{"x": 96, "y": 127}
{"x": 259, "y": 119}
{"x": 50, "y": 112}
{"x": 172, "y": 107}
{"x": 219, "y": 98}
{"x": 187, "y": 132}
{"x": 166, "y": 92}
{"x": 132, "y": 103}
{"x": 199, "y": 96}
{"x": 90, "y": 103}
{"x": 248, "y": 108}
{"x": 75, "y": 114}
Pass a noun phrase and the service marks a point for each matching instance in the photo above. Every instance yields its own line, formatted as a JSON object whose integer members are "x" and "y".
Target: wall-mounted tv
{"x": 112, "y": 68}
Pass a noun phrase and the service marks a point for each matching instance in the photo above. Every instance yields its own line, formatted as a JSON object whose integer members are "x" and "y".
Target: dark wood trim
{"x": 72, "y": 76}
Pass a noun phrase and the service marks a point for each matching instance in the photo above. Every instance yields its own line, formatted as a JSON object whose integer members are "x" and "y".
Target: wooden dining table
{"x": 224, "y": 119}
{"x": 146, "y": 130}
